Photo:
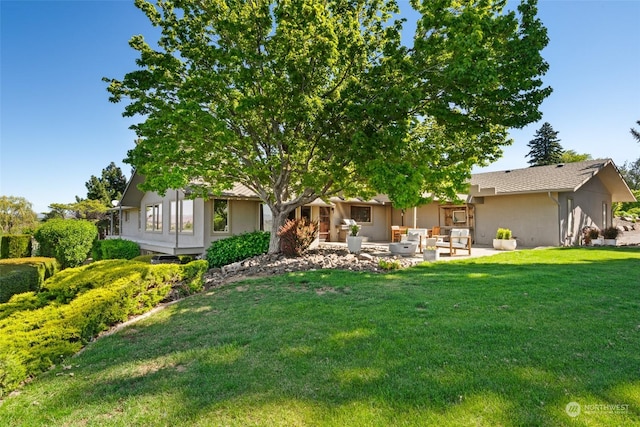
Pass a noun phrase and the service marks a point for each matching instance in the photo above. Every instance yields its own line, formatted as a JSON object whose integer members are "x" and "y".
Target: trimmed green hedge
{"x": 114, "y": 249}
{"x": 19, "y": 275}
{"x": 236, "y": 248}
{"x": 15, "y": 246}
{"x": 80, "y": 303}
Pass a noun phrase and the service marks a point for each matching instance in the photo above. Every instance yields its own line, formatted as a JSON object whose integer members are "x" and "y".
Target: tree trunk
{"x": 279, "y": 219}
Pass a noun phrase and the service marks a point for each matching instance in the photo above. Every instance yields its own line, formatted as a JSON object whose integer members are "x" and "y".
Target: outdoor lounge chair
{"x": 459, "y": 239}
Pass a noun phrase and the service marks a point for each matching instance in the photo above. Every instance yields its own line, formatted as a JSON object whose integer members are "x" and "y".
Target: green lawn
{"x": 507, "y": 340}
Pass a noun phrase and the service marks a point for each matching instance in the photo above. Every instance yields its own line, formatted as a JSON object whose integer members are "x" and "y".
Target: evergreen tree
{"x": 108, "y": 187}
{"x": 545, "y": 147}
{"x": 635, "y": 133}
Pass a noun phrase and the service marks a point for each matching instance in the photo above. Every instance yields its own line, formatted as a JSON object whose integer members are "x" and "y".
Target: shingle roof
{"x": 554, "y": 178}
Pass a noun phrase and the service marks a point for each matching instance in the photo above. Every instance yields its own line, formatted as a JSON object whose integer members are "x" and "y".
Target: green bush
{"x": 237, "y": 248}
{"x": 82, "y": 302}
{"x": 15, "y": 246}
{"x": 19, "y": 275}
{"x": 114, "y": 249}
{"x": 296, "y": 235}
{"x": 143, "y": 258}
{"x": 67, "y": 240}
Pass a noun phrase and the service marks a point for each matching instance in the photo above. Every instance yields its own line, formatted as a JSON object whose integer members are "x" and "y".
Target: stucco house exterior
{"x": 545, "y": 205}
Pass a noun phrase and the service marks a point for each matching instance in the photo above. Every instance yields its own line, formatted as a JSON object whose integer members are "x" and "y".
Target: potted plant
{"x": 610, "y": 235}
{"x": 354, "y": 242}
{"x": 497, "y": 242}
{"x": 430, "y": 252}
{"x": 508, "y": 242}
{"x": 504, "y": 240}
{"x": 594, "y": 234}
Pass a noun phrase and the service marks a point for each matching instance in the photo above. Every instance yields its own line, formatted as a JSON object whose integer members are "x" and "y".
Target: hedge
{"x": 236, "y": 248}
{"x": 114, "y": 249}
{"x": 19, "y": 275}
{"x": 15, "y": 246}
{"x": 81, "y": 303}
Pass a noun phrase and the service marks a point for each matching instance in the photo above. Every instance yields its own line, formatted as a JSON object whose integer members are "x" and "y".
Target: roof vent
{"x": 559, "y": 165}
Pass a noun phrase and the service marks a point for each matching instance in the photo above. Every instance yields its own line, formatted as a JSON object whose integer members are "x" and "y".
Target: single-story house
{"x": 545, "y": 205}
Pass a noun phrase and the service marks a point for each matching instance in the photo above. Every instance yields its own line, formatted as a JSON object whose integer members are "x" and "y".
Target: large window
{"x": 153, "y": 218}
{"x": 361, "y": 213}
{"x": 266, "y": 218}
{"x": 570, "y": 216}
{"x": 182, "y": 216}
{"x": 220, "y": 216}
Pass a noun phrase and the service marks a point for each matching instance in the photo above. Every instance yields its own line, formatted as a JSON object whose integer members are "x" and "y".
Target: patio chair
{"x": 459, "y": 239}
{"x": 396, "y": 233}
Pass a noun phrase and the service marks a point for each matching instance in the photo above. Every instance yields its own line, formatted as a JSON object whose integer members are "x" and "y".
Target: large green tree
{"x": 545, "y": 147}
{"x": 306, "y": 99}
{"x": 16, "y": 215}
{"x": 572, "y": 156}
{"x": 108, "y": 187}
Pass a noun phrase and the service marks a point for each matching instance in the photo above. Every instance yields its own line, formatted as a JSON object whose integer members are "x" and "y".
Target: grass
{"x": 507, "y": 340}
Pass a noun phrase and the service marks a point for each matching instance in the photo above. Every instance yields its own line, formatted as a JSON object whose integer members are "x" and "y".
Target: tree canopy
{"x": 545, "y": 147}
{"x": 302, "y": 99}
{"x": 16, "y": 215}
{"x": 572, "y": 156}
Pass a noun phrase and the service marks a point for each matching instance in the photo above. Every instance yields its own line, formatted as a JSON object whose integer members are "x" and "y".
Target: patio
{"x": 381, "y": 249}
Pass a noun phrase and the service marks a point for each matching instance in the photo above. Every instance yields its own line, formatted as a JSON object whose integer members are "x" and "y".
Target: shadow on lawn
{"x": 504, "y": 340}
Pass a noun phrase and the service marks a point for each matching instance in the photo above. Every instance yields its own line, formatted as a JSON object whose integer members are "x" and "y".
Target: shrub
{"x": 237, "y": 248}
{"x": 17, "y": 279}
{"x": 114, "y": 249}
{"x": 389, "y": 264}
{"x": 67, "y": 240}
{"x": 296, "y": 235}
{"x": 15, "y": 246}
{"x": 82, "y": 302}
{"x": 19, "y": 275}
{"x": 610, "y": 233}
{"x": 503, "y": 233}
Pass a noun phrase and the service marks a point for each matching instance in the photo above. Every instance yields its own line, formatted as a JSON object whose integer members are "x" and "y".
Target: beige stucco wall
{"x": 244, "y": 216}
{"x": 591, "y": 207}
{"x": 427, "y": 216}
{"x": 130, "y": 223}
{"x": 532, "y": 218}
{"x": 378, "y": 230}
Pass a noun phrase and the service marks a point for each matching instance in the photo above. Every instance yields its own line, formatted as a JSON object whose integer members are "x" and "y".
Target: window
{"x": 459, "y": 217}
{"x": 604, "y": 215}
{"x": 361, "y": 213}
{"x": 305, "y": 212}
{"x": 570, "y": 216}
{"x": 220, "y": 215}
{"x": 266, "y": 218}
{"x": 182, "y": 216}
{"x": 153, "y": 218}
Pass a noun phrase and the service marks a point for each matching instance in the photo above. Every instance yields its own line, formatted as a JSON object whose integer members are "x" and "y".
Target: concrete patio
{"x": 381, "y": 249}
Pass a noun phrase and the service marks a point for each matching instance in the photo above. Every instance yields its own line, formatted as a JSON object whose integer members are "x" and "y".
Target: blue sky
{"x": 57, "y": 127}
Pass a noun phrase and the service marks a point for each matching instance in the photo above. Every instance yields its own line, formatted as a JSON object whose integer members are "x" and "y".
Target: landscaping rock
{"x": 324, "y": 257}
